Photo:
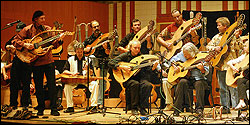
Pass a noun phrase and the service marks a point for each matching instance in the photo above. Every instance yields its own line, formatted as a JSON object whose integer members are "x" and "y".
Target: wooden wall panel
{"x": 61, "y": 11}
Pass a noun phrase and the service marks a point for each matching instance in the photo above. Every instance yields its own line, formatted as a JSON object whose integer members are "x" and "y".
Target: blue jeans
{"x": 224, "y": 93}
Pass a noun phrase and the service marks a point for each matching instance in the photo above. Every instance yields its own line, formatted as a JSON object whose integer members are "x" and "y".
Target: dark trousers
{"x": 38, "y": 74}
{"x": 243, "y": 85}
{"x": 181, "y": 94}
{"x": 137, "y": 93}
{"x": 20, "y": 73}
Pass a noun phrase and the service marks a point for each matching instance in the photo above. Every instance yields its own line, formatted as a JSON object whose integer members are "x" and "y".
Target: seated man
{"x": 242, "y": 83}
{"x": 77, "y": 65}
{"x": 196, "y": 79}
{"x": 138, "y": 88}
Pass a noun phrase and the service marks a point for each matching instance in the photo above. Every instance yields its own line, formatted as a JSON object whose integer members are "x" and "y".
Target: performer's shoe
{"x": 60, "y": 107}
{"x": 176, "y": 113}
{"x": 168, "y": 107}
{"x": 54, "y": 112}
{"x": 143, "y": 111}
{"x": 225, "y": 110}
{"x": 240, "y": 106}
{"x": 40, "y": 112}
{"x": 69, "y": 110}
{"x": 135, "y": 112}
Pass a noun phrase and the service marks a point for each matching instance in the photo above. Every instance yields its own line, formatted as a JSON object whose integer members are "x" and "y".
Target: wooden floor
{"x": 110, "y": 117}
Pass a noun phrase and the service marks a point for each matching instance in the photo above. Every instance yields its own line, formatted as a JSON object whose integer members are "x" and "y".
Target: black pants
{"x": 137, "y": 93}
{"x": 20, "y": 74}
{"x": 181, "y": 94}
{"x": 243, "y": 85}
{"x": 38, "y": 74}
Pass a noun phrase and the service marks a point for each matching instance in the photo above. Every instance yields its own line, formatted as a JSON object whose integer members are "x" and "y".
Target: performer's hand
{"x": 126, "y": 68}
{"x": 217, "y": 48}
{"x": 155, "y": 64}
{"x": 87, "y": 49}
{"x": 29, "y": 46}
{"x": 164, "y": 73}
{"x": 235, "y": 69}
{"x": 5, "y": 77}
{"x": 105, "y": 45}
{"x": 169, "y": 46}
{"x": 200, "y": 66}
{"x": 176, "y": 69}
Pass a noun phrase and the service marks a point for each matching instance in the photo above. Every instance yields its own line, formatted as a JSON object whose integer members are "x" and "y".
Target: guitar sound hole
{"x": 181, "y": 28}
{"x": 142, "y": 57}
{"x": 136, "y": 36}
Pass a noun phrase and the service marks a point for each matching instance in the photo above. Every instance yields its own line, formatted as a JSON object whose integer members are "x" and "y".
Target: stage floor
{"x": 110, "y": 117}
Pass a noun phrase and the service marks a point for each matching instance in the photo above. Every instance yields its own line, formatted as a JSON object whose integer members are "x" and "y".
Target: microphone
{"x": 10, "y": 24}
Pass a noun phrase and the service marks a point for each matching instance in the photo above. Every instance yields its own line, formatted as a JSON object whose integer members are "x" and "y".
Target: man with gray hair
{"x": 196, "y": 78}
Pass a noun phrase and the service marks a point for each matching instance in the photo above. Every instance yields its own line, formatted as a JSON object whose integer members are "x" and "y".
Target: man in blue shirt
{"x": 196, "y": 78}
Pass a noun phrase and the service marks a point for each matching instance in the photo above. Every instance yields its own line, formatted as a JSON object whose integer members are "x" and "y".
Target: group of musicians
{"x": 138, "y": 86}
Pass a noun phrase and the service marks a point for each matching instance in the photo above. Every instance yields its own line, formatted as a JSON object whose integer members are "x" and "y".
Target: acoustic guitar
{"x": 178, "y": 37}
{"x": 60, "y": 48}
{"x": 145, "y": 32}
{"x": 185, "y": 67}
{"x": 107, "y": 37}
{"x": 122, "y": 76}
{"x": 226, "y": 39}
{"x": 231, "y": 76}
{"x": 29, "y": 56}
{"x": 204, "y": 40}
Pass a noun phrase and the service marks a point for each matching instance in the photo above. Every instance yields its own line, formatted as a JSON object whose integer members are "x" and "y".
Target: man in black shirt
{"x": 136, "y": 27}
{"x": 101, "y": 57}
{"x": 138, "y": 89}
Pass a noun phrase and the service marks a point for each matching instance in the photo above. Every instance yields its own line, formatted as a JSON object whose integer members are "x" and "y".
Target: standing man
{"x": 146, "y": 46}
{"x": 43, "y": 64}
{"x": 101, "y": 54}
{"x": 170, "y": 30}
{"x": 20, "y": 75}
{"x": 233, "y": 52}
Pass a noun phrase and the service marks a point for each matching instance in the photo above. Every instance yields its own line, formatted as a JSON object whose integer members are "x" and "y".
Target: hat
{"x": 20, "y": 26}
{"x": 38, "y": 13}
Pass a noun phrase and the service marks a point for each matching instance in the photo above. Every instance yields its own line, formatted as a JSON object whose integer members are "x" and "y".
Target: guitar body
{"x": 223, "y": 41}
{"x": 172, "y": 76}
{"x": 204, "y": 42}
{"x": 231, "y": 76}
{"x": 79, "y": 96}
{"x": 121, "y": 75}
{"x": 98, "y": 40}
{"x": 169, "y": 53}
{"x": 153, "y": 95}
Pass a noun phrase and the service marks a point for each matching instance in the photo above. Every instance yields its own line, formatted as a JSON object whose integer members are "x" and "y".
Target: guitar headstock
{"x": 151, "y": 24}
{"x": 240, "y": 19}
{"x": 113, "y": 34}
{"x": 197, "y": 18}
{"x": 58, "y": 25}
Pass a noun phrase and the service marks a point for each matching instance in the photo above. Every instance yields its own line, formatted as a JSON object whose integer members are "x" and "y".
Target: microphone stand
{"x": 103, "y": 92}
{"x": 7, "y": 26}
{"x": 160, "y": 112}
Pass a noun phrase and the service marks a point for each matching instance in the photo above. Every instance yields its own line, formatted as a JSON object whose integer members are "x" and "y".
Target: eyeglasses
{"x": 96, "y": 26}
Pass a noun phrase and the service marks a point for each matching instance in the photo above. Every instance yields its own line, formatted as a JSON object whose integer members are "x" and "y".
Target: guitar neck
{"x": 141, "y": 66}
{"x": 47, "y": 41}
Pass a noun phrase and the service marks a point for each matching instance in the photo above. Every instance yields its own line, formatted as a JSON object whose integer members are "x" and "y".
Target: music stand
{"x": 103, "y": 92}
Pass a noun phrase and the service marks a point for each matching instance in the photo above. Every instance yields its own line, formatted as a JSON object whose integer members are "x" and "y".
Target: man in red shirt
{"x": 43, "y": 64}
